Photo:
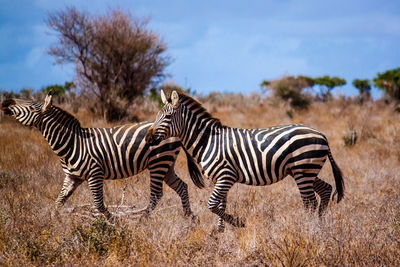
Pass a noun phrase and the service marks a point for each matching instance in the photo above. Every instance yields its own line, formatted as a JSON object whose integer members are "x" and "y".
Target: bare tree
{"x": 116, "y": 57}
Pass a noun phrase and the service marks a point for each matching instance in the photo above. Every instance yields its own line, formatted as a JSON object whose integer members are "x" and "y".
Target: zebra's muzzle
{"x": 6, "y": 111}
{"x": 5, "y": 106}
{"x": 151, "y": 138}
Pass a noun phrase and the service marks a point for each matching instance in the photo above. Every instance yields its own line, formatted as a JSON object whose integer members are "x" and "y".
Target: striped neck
{"x": 197, "y": 127}
{"x": 59, "y": 128}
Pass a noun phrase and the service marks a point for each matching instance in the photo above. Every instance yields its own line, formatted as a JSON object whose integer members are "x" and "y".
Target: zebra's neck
{"x": 61, "y": 130}
{"x": 197, "y": 131}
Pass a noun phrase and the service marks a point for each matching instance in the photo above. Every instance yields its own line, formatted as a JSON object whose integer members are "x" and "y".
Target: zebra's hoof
{"x": 214, "y": 233}
{"x": 55, "y": 215}
{"x": 147, "y": 213}
{"x": 115, "y": 220}
{"x": 108, "y": 216}
{"x": 188, "y": 214}
{"x": 59, "y": 205}
{"x": 112, "y": 219}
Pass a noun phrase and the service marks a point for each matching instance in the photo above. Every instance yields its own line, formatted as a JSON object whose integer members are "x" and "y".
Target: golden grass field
{"x": 362, "y": 230}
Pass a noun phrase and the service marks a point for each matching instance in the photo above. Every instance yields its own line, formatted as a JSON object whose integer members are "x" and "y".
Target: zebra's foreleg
{"x": 96, "y": 186}
{"x": 215, "y": 202}
{"x": 156, "y": 191}
{"x": 221, "y": 222}
{"x": 306, "y": 188}
{"x": 324, "y": 190}
{"x": 69, "y": 186}
{"x": 181, "y": 188}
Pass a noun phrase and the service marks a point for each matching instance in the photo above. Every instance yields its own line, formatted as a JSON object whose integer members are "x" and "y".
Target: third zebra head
{"x": 26, "y": 112}
{"x": 168, "y": 121}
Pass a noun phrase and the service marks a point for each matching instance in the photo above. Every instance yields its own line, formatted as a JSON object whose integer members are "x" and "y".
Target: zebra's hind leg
{"x": 181, "y": 188}
{"x": 96, "y": 186}
{"x": 305, "y": 183}
{"x": 69, "y": 186}
{"x": 324, "y": 190}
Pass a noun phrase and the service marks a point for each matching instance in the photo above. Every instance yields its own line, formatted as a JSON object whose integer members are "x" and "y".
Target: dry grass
{"x": 364, "y": 229}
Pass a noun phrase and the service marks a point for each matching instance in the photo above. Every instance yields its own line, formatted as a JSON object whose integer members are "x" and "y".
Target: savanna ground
{"x": 362, "y": 230}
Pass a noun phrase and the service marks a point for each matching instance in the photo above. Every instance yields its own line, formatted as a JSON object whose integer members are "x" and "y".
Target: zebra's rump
{"x": 282, "y": 150}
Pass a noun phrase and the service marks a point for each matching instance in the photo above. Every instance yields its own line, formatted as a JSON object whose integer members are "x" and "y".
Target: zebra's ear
{"x": 47, "y": 102}
{"x": 174, "y": 98}
{"x": 163, "y": 97}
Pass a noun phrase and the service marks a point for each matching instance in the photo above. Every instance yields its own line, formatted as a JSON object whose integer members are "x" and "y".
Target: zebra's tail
{"x": 194, "y": 171}
{"x": 337, "y": 173}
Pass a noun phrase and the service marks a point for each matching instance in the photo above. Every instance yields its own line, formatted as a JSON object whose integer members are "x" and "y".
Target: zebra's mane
{"x": 190, "y": 101}
{"x": 64, "y": 113}
{"x": 17, "y": 101}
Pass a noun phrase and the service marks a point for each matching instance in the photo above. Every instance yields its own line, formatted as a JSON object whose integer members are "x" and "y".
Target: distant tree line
{"x": 299, "y": 91}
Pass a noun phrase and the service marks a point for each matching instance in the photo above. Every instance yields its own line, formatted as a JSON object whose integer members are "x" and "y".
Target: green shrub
{"x": 97, "y": 238}
{"x": 291, "y": 90}
{"x": 350, "y": 138}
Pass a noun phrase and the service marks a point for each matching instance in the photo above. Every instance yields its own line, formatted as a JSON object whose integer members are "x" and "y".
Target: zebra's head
{"x": 168, "y": 123}
{"x": 26, "y": 112}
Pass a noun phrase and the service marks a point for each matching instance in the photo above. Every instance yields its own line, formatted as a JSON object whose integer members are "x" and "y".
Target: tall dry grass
{"x": 362, "y": 230}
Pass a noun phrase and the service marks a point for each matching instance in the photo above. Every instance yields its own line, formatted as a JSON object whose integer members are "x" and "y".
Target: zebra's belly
{"x": 108, "y": 172}
{"x": 122, "y": 174}
{"x": 258, "y": 179}
{"x": 75, "y": 173}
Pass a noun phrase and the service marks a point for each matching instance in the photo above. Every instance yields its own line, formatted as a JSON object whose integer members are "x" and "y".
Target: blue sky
{"x": 226, "y": 46}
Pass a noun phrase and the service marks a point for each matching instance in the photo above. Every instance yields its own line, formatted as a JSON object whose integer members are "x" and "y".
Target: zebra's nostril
{"x": 7, "y": 111}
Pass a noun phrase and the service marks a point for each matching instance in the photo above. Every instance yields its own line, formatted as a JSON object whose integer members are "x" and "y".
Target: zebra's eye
{"x": 31, "y": 108}
{"x": 170, "y": 110}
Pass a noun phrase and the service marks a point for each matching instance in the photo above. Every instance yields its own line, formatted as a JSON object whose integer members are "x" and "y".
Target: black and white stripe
{"x": 96, "y": 154}
{"x": 249, "y": 156}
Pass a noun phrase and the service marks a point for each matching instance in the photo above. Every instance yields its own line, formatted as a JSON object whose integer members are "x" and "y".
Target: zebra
{"x": 98, "y": 154}
{"x": 248, "y": 156}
